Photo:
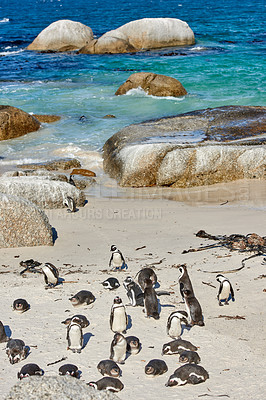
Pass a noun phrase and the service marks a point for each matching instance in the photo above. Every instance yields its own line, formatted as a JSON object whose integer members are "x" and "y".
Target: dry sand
{"x": 232, "y": 351}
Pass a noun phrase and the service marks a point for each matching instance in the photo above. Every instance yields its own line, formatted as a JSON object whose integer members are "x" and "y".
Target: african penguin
{"x": 188, "y": 373}
{"x": 193, "y": 309}
{"x": 118, "y": 316}
{"x": 69, "y": 369}
{"x": 150, "y": 300}
{"x": 69, "y": 202}
{"x": 117, "y": 261}
{"x": 74, "y": 337}
{"x": 83, "y": 296}
{"x": 184, "y": 280}
{"x": 79, "y": 319}
{"x": 3, "y": 336}
{"x": 174, "y": 327}
{"x": 118, "y": 348}
{"x": 155, "y": 367}
{"x": 111, "y": 283}
{"x": 16, "y": 350}
{"x": 133, "y": 345}
{"x": 146, "y": 273}
{"x": 134, "y": 292}
{"x": 51, "y": 274}
{"x": 107, "y": 383}
{"x": 225, "y": 290}
{"x": 110, "y": 368}
{"x": 20, "y": 305}
{"x": 190, "y": 357}
{"x": 30, "y": 370}
{"x": 175, "y": 346}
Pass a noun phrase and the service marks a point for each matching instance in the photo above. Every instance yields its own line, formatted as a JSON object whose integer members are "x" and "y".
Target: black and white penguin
{"x": 79, "y": 319}
{"x": 118, "y": 348}
{"x": 150, "y": 300}
{"x": 107, "y": 383}
{"x": 146, "y": 273}
{"x": 184, "y": 280}
{"x": 83, "y": 296}
{"x": 225, "y": 290}
{"x": 74, "y": 337}
{"x": 109, "y": 368}
{"x": 3, "y": 337}
{"x": 188, "y": 373}
{"x": 111, "y": 283}
{"x": 133, "y": 345}
{"x": 193, "y": 309}
{"x": 69, "y": 369}
{"x": 155, "y": 367}
{"x": 51, "y": 274}
{"x": 30, "y": 370}
{"x": 20, "y": 305}
{"x": 190, "y": 357}
{"x": 69, "y": 202}
{"x": 117, "y": 261}
{"x": 175, "y": 346}
{"x": 16, "y": 350}
{"x": 118, "y": 316}
{"x": 174, "y": 327}
{"x": 134, "y": 292}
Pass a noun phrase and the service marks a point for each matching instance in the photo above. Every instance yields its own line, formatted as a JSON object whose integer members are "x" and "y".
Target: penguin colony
{"x": 122, "y": 347}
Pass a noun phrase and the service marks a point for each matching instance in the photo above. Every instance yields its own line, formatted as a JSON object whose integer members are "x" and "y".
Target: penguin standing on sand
{"x": 134, "y": 292}
{"x": 118, "y": 316}
{"x": 174, "y": 327}
{"x": 118, "y": 350}
{"x": 184, "y": 280}
{"x": 51, "y": 274}
{"x": 69, "y": 202}
{"x": 193, "y": 309}
{"x": 225, "y": 290}
{"x": 150, "y": 300}
{"x": 74, "y": 337}
{"x": 117, "y": 261}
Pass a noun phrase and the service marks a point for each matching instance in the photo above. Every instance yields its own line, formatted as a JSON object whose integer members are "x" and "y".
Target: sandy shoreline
{"x": 232, "y": 351}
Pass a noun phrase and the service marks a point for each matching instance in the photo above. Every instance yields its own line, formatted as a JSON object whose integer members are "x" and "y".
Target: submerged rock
{"x": 153, "y": 84}
{"x": 22, "y": 224}
{"x": 15, "y": 122}
{"x": 142, "y": 34}
{"x": 62, "y": 35}
{"x": 42, "y": 192}
{"x": 47, "y": 118}
{"x": 55, "y": 165}
{"x": 56, "y": 388}
{"x": 197, "y": 148}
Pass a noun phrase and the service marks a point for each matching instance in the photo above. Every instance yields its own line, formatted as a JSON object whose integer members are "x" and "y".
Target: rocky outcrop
{"x": 54, "y": 165}
{"x": 153, "y": 84}
{"x": 41, "y": 191}
{"x": 47, "y": 119}
{"x": 56, "y": 388}
{"x": 197, "y": 148}
{"x": 22, "y": 224}
{"x": 15, "y": 122}
{"x": 62, "y": 35}
{"x": 142, "y": 34}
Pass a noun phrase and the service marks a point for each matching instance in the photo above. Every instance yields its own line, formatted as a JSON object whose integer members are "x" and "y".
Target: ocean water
{"x": 226, "y": 66}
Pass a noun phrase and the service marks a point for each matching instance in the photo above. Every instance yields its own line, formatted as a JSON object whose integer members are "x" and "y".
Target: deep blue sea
{"x": 226, "y": 66}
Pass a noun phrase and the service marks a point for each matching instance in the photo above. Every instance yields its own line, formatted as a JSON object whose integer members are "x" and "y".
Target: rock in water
{"x": 15, "y": 122}
{"x": 56, "y": 388}
{"x": 22, "y": 224}
{"x": 153, "y": 84}
{"x": 142, "y": 34}
{"x": 62, "y": 35}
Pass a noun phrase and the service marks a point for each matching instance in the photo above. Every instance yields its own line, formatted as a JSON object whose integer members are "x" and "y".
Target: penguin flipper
{"x": 111, "y": 319}
{"x": 232, "y": 293}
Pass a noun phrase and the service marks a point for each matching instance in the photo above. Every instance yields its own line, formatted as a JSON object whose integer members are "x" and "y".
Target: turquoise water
{"x": 226, "y": 66}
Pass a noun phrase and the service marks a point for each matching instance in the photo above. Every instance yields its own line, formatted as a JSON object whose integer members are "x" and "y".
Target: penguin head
{"x": 149, "y": 370}
{"x": 92, "y": 384}
{"x": 113, "y": 248}
{"x": 172, "y": 381}
{"x": 117, "y": 300}
{"x": 147, "y": 283}
{"x": 166, "y": 349}
{"x": 220, "y": 278}
{"x": 187, "y": 293}
{"x": 118, "y": 337}
{"x": 182, "y": 268}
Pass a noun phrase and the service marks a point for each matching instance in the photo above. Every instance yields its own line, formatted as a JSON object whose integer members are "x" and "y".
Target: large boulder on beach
{"x": 56, "y": 388}
{"x": 62, "y": 35}
{"x": 15, "y": 122}
{"x": 22, "y": 224}
{"x": 41, "y": 191}
{"x": 197, "y": 148}
{"x": 153, "y": 84}
{"x": 142, "y": 34}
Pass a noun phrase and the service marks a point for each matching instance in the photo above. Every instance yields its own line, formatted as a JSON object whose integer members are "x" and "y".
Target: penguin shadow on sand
{"x": 54, "y": 234}
{"x": 160, "y": 306}
{"x": 129, "y": 322}
{"x": 8, "y": 331}
{"x": 86, "y": 338}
